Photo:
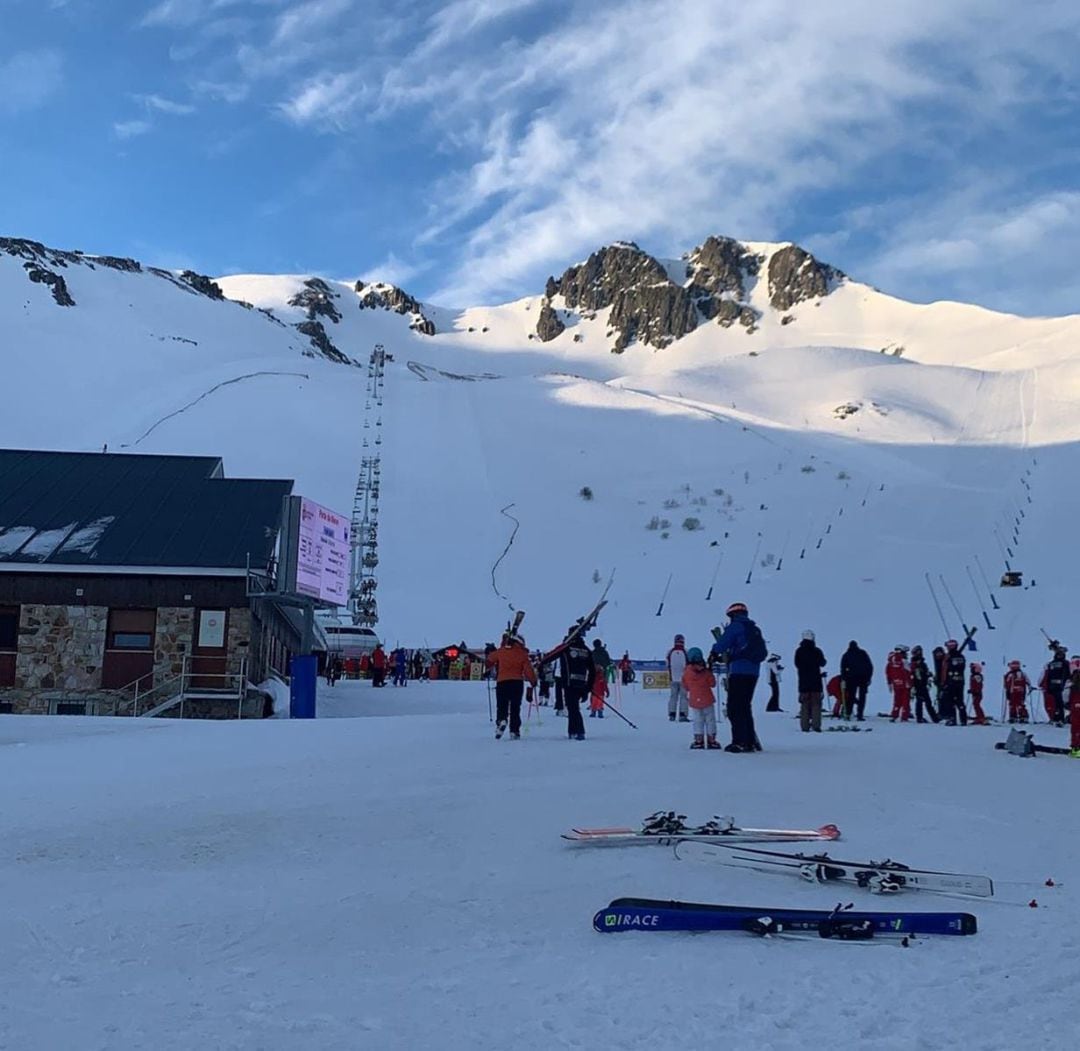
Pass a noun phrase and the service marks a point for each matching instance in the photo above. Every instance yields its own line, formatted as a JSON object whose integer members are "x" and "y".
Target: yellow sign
{"x": 656, "y": 680}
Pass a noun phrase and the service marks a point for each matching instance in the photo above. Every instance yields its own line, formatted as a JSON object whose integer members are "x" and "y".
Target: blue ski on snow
{"x": 648, "y": 914}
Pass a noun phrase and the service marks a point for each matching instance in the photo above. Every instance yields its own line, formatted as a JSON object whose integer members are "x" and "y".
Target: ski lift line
{"x": 937, "y": 605}
{"x": 716, "y": 571}
{"x": 663, "y": 597}
{"x": 753, "y": 561}
{"x": 978, "y": 598}
{"x": 952, "y": 601}
{"x": 986, "y": 581}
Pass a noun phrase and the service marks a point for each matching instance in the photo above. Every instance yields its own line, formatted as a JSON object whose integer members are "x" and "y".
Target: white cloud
{"x": 163, "y": 105}
{"x": 325, "y": 100}
{"x": 28, "y": 79}
{"x": 392, "y": 271}
{"x": 131, "y": 129}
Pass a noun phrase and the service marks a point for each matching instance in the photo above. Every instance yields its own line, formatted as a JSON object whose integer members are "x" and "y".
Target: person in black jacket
{"x": 856, "y": 671}
{"x": 920, "y": 680}
{"x": 576, "y": 671}
{"x": 809, "y": 662}
{"x": 953, "y": 668}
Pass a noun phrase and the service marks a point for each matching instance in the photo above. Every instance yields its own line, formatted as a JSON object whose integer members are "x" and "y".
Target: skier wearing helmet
{"x": 953, "y": 667}
{"x": 1016, "y": 691}
{"x": 809, "y": 660}
{"x": 676, "y": 663}
{"x": 920, "y": 676}
{"x": 742, "y": 646}
{"x": 898, "y": 676}
{"x": 975, "y": 689}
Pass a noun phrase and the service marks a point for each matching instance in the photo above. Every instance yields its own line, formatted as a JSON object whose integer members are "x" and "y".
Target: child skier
{"x": 898, "y": 676}
{"x": 599, "y": 692}
{"x": 699, "y": 682}
{"x": 1016, "y": 691}
{"x": 835, "y": 689}
{"x": 975, "y": 689}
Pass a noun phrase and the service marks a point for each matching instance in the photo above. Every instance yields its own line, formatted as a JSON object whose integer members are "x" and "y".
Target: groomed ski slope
{"x": 397, "y": 881}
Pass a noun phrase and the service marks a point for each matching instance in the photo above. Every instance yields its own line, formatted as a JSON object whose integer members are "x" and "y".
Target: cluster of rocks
{"x": 317, "y": 299}
{"x": 647, "y": 304}
{"x": 381, "y": 296}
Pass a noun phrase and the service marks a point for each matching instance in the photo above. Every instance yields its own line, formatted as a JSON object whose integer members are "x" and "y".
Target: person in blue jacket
{"x": 742, "y": 647}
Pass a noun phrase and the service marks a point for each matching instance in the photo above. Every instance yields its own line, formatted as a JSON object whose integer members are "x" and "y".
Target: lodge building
{"x": 130, "y": 584}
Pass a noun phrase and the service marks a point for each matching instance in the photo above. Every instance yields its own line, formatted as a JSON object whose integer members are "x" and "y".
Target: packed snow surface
{"x": 395, "y": 879}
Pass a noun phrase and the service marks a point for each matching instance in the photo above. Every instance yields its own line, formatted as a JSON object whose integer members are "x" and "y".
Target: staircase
{"x": 181, "y": 689}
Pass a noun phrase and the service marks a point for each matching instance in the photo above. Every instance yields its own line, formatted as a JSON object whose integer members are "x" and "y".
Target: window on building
{"x": 9, "y": 628}
{"x": 131, "y": 629}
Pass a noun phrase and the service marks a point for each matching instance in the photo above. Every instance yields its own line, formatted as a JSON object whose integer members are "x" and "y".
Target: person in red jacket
{"x": 835, "y": 689}
{"x": 599, "y": 692}
{"x": 975, "y": 689}
{"x": 1016, "y": 691}
{"x": 378, "y": 666}
{"x": 898, "y": 676}
{"x": 700, "y": 683}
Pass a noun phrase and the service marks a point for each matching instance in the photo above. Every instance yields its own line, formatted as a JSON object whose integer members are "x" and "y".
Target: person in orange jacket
{"x": 512, "y": 668}
{"x": 699, "y": 682}
{"x": 378, "y": 666}
{"x": 835, "y": 689}
{"x": 599, "y": 692}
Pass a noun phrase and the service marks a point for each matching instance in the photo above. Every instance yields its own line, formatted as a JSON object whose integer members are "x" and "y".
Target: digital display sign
{"x": 318, "y": 552}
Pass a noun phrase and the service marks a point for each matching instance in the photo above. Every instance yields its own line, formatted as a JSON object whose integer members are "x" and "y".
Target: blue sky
{"x": 468, "y": 148}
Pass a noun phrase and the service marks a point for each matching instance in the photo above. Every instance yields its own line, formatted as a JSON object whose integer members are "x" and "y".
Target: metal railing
{"x": 233, "y": 684}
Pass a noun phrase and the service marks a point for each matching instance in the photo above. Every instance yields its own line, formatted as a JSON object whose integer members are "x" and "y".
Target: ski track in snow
{"x": 397, "y": 881}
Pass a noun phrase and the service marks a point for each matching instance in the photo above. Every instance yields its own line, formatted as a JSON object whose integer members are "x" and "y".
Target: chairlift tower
{"x": 363, "y": 582}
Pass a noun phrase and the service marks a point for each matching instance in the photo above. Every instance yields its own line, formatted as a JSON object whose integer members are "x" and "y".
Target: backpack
{"x": 754, "y": 648}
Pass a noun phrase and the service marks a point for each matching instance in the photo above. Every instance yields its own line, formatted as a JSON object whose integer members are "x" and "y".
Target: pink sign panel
{"x": 322, "y": 562}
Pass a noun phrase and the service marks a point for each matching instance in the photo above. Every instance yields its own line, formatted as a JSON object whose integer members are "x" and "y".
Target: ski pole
{"x": 620, "y": 715}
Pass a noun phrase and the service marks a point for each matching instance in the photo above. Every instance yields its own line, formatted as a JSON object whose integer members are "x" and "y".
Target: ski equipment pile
{"x": 882, "y": 877}
{"x": 666, "y": 827}
{"x": 648, "y": 914}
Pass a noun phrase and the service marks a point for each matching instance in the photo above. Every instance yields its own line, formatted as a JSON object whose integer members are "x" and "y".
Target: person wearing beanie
{"x": 809, "y": 662}
{"x": 699, "y": 682}
{"x": 676, "y": 663}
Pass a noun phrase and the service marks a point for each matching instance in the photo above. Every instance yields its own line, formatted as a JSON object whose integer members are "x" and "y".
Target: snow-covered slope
{"x": 832, "y": 450}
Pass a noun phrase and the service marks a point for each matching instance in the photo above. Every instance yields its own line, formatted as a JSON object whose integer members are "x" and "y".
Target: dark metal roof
{"x": 117, "y": 510}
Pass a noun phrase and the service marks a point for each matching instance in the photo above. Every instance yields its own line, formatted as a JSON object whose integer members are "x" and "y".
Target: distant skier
{"x": 1017, "y": 686}
{"x": 920, "y": 681}
{"x": 857, "y": 671}
{"x": 1055, "y": 676}
{"x": 600, "y": 692}
{"x": 898, "y": 677}
{"x": 953, "y": 668}
{"x": 699, "y": 682}
{"x": 401, "y": 676}
{"x": 938, "y": 667}
{"x": 626, "y": 668}
{"x": 975, "y": 690}
{"x": 512, "y": 668}
{"x": 743, "y": 646}
{"x": 577, "y": 669}
{"x": 1074, "y": 705}
{"x": 676, "y": 662}
{"x": 602, "y": 659}
{"x": 378, "y": 666}
{"x": 809, "y": 662}
{"x": 775, "y": 669}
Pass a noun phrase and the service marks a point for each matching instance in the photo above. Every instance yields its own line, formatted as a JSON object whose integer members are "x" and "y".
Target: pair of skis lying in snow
{"x": 648, "y": 914}
{"x": 720, "y": 840}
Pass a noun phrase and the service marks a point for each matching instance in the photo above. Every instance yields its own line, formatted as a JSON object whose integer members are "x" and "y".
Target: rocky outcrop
{"x": 202, "y": 284}
{"x": 645, "y": 304}
{"x": 55, "y": 282}
{"x": 796, "y": 276}
{"x": 721, "y": 265}
{"x": 317, "y": 299}
{"x": 116, "y": 262}
{"x": 548, "y": 325}
{"x": 381, "y": 296}
{"x": 322, "y": 342}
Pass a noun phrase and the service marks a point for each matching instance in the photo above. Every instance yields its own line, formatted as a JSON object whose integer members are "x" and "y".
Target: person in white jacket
{"x": 676, "y": 663}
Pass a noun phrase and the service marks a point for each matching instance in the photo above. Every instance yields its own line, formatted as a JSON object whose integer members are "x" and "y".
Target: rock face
{"x": 317, "y": 299}
{"x": 722, "y": 265}
{"x": 381, "y": 296}
{"x": 548, "y": 324}
{"x": 48, "y": 277}
{"x": 322, "y": 342}
{"x": 202, "y": 284}
{"x": 645, "y": 303}
{"x": 795, "y": 276}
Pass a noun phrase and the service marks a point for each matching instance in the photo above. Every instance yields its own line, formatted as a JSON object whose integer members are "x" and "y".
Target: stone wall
{"x": 61, "y": 647}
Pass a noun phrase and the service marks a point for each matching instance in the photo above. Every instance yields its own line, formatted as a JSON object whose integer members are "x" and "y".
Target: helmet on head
{"x": 1014, "y": 665}
{"x": 680, "y": 638}
{"x": 808, "y": 635}
{"x": 1074, "y": 664}
{"x": 736, "y": 608}
{"x": 976, "y": 666}
{"x": 901, "y": 648}
{"x": 596, "y": 642}
{"x": 951, "y": 644}
{"x": 694, "y": 655}
{"x": 916, "y": 649}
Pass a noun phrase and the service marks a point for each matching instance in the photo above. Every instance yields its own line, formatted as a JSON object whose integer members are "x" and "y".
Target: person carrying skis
{"x": 699, "y": 682}
{"x": 898, "y": 676}
{"x": 577, "y": 670}
{"x": 512, "y": 668}
{"x": 920, "y": 682}
{"x": 953, "y": 668}
{"x": 1017, "y": 686}
{"x": 1055, "y": 676}
{"x": 857, "y": 671}
{"x": 743, "y": 646}
{"x": 809, "y": 661}
{"x": 676, "y": 663}
{"x": 599, "y": 692}
{"x": 975, "y": 689}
